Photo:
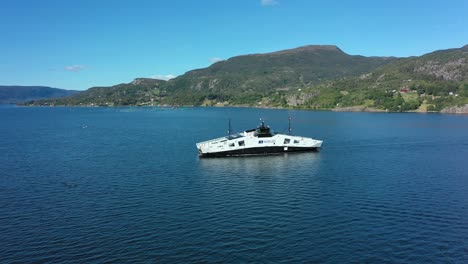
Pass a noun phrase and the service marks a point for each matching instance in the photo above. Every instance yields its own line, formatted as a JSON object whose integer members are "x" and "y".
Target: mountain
{"x": 19, "y": 94}
{"x": 238, "y": 80}
{"x": 312, "y": 77}
{"x": 430, "y": 82}
{"x": 141, "y": 91}
{"x": 245, "y": 79}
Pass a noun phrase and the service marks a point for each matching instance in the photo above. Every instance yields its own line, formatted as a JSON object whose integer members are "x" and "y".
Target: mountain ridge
{"x": 258, "y": 74}
{"x": 13, "y": 94}
{"x": 312, "y": 77}
{"x": 306, "y": 48}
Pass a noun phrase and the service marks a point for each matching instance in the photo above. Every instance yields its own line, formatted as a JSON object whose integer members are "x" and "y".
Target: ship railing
{"x": 234, "y": 136}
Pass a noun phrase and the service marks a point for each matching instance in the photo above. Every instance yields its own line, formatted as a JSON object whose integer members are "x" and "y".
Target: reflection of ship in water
{"x": 282, "y": 165}
{"x": 257, "y": 141}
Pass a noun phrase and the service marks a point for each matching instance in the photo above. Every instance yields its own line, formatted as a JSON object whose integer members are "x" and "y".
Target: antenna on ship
{"x": 262, "y": 122}
{"x": 229, "y": 128}
{"x": 289, "y": 125}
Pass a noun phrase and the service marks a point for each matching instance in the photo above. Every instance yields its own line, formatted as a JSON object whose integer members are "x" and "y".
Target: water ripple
{"x": 378, "y": 192}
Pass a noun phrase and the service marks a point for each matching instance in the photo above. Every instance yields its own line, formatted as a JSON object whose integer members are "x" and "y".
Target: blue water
{"x": 114, "y": 185}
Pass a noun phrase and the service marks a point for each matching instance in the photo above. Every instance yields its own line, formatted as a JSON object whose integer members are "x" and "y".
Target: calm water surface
{"x": 126, "y": 185}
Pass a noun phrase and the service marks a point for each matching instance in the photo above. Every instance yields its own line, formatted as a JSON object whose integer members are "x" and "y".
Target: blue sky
{"x": 80, "y": 44}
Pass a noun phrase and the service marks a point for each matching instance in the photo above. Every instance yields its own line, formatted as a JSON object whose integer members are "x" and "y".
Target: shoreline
{"x": 462, "y": 110}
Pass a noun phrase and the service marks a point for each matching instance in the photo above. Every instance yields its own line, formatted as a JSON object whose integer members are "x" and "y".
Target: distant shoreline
{"x": 462, "y": 110}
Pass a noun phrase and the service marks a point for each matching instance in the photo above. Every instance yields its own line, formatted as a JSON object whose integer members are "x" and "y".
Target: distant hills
{"x": 430, "y": 82}
{"x": 312, "y": 77}
{"x": 247, "y": 79}
{"x": 141, "y": 91}
{"x": 20, "y": 94}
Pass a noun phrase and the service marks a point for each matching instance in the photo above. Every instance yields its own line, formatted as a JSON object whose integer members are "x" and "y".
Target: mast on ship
{"x": 229, "y": 128}
{"x": 289, "y": 125}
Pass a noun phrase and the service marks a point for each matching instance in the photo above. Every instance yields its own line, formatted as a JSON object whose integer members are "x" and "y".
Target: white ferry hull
{"x": 248, "y": 144}
{"x": 256, "y": 151}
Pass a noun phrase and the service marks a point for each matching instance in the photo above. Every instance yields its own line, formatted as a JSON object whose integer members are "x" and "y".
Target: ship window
{"x": 286, "y": 141}
{"x": 231, "y": 144}
{"x": 296, "y": 141}
{"x": 241, "y": 143}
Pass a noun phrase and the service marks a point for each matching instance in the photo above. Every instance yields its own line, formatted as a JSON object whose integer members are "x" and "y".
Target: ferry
{"x": 258, "y": 141}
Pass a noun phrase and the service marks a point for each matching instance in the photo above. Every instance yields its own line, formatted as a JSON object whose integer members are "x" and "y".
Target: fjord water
{"x": 126, "y": 185}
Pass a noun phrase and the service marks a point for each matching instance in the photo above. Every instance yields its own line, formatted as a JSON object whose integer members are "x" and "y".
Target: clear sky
{"x": 80, "y": 44}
